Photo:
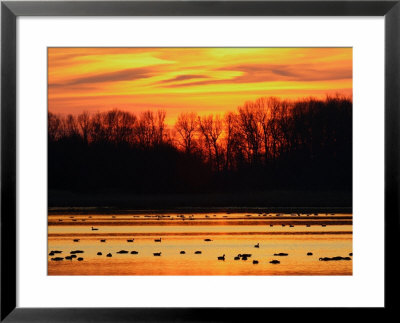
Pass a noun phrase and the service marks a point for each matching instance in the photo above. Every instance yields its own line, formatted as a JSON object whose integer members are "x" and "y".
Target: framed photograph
{"x": 195, "y": 160}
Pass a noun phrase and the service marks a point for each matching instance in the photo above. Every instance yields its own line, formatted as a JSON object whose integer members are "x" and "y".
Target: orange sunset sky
{"x": 204, "y": 80}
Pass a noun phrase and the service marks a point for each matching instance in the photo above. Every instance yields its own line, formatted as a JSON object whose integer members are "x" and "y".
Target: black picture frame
{"x": 10, "y": 10}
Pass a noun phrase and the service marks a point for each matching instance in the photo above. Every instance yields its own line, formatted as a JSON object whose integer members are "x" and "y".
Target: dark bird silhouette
{"x": 257, "y": 245}
{"x": 157, "y": 254}
{"x": 182, "y": 252}
{"x": 57, "y": 259}
{"x": 122, "y": 251}
{"x": 207, "y": 239}
{"x": 99, "y": 253}
{"x": 334, "y": 258}
{"x": 94, "y": 229}
{"x": 134, "y": 252}
{"x": 76, "y": 240}
{"x": 274, "y": 262}
{"x": 130, "y": 240}
{"x": 109, "y": 255}
{"x": 281, "y": 254}
{"x": 80, "y": 259}
{"x": 221, "y": 257}
{"x": 76, "y": 251}
{"x": 103, "y": 240}
{"x": 197, "y": 252}
{"x": 255, "y": 262}
{"x": 157, "y": 240}
{"x": 309, "y": 253}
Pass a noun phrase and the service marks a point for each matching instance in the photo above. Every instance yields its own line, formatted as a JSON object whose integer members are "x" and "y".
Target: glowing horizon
{"x": 201, "y": 80}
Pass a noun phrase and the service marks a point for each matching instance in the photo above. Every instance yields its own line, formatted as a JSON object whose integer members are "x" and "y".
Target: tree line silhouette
{"x": 266, "y": 144}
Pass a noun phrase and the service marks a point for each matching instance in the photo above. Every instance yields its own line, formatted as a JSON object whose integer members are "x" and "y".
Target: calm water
{"x": 324, "y": 235}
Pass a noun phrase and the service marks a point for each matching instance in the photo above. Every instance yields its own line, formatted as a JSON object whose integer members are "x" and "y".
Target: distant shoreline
{"x": 282, "y": 201}
{"x": 115, "y": 210}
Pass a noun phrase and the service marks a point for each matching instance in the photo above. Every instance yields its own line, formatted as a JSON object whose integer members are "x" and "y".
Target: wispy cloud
{"x": 117, "y": 76}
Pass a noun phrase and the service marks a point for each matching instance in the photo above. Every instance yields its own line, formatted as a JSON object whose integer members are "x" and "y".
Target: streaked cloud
{"x": 190, "y": 79}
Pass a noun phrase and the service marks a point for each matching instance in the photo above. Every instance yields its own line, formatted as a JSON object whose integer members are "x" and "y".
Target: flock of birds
{"x": 243, "y": 256}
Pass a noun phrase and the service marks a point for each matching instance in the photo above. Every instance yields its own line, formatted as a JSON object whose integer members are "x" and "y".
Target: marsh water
{"x": 190, "y": 243}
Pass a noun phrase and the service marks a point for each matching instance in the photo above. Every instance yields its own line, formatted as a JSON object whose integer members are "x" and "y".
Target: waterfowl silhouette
{"x": 134, "y": 252}
{"x": 109, "y": 255}
{"x": 350, "y": 254}
{"x": 197, "y": 252}
{"x": 255, "y": 262}
{"x": 76, "y": 240}
{"x": 281, "y": 254}
{"x": 130, "y": 240}
{"x": 68, "y": 257}
{"x": 257, "y": 245}
{"x": 309, "y": 253}
{"x": 323, "y": 225}
{"x": 237, "y": 258}
{"x": 307, "y": 225}
{"x": 73, "y": 256}
{"x": 157, "y": 254}
{"x": 57, "y": 259}
{"x": 99, "y": 254}
{"x": 271, "y": 225}
{"x": 80, "y": 259}
{"x": 291, "y": 225}
{"x": 207, "y": 239}
{"x": 334, "y": 258}
{"x": 103, "y": 240}
{"x": 182, "y": 252}
{"x": 222, "y": 257}
{"x": 274, "y": 262}
{"x": 94, "y": 229}
{"x": 76, "y": 251}
{"x": 157, "y": 240}
{"x": 122, "y": 251}
{"x": 244, "y": 257}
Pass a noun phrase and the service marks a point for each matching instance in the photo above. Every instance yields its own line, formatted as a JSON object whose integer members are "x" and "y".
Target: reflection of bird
{"x": 221, "y": 257}
{"x": 94, "y": 229}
